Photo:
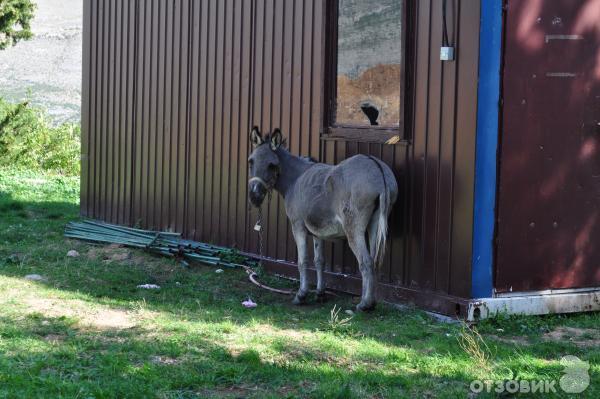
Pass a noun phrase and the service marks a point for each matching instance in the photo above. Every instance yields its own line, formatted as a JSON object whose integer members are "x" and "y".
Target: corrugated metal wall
{"x": 443, "y": 151}
{"x": 549, "y": 193}
{"x": 171, "y": 89}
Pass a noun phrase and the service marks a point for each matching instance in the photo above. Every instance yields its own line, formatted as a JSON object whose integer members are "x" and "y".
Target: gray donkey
{"x": 327, "y": 202}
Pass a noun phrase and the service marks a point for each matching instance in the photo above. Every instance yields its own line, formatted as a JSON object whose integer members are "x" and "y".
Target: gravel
{"x": 47, "y": 69}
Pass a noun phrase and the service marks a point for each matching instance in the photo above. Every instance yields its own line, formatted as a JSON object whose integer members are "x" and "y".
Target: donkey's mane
{"x": 284, "y": 147}
{"x": 309, "y": 159}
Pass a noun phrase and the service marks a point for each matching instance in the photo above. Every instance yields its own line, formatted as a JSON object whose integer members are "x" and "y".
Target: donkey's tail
{"x": 382, "y": 226}
{"x": 381, "y": 215}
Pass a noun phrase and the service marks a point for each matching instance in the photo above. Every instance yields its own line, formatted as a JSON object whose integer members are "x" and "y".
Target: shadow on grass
{"x": 12, "y": 209}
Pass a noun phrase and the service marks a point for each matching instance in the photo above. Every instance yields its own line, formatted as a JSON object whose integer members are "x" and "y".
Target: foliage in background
{"x": 15, "y": 21}
{"x": 29, "y": 141}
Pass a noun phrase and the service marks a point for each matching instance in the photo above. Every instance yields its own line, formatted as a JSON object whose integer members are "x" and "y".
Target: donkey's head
{"x": 264, "y": 165}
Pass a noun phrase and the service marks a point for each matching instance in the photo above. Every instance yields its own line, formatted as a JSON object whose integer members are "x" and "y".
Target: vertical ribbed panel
{"x": 442, "y": 154}
{"x": 172, "y": 88}
{"x": 107, "y": 109}
{"x": 162, "y": 108}
{"x": 218, "y": 120}
{"x": 286, "y": 62}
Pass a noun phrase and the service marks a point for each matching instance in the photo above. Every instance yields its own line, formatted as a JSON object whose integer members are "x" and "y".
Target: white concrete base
{"x": 536, "y": 303}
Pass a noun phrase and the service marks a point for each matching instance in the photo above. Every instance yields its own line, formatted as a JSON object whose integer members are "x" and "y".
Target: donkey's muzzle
{"x": 256, "y": 193}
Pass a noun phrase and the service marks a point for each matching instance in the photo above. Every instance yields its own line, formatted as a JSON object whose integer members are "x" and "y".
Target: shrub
{"x": 15, "y": 21}
{"x": 29, "y": 141}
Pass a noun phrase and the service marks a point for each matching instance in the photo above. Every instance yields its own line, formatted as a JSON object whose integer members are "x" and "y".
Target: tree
{"x": 15, "y": 21}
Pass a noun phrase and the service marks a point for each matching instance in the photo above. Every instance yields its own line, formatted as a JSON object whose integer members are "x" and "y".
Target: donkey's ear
{"x": 276, "y": 139}
{"x": 256, "y": 137}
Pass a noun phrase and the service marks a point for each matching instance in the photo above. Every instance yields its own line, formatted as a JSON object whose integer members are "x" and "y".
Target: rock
{"x": 149, "y": 286}
{"x": 72, "y": 254}
{"x": 219, "y": 271}
{"x": 349, "y": 312}
{"x": 248, "y": 303}
{"x": 34, "y": 277}
{"x": 120, "y": 256}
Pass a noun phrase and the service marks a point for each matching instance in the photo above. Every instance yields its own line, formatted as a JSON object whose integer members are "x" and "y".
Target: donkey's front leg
{"x": 319, "y": 261}
{"x": 300, "y": 236}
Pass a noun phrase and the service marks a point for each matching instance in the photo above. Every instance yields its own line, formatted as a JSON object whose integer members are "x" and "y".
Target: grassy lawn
{"x": 85, "y": 330}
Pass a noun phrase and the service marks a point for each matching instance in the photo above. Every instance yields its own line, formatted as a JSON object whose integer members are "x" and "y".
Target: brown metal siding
{"x": 172, "y": 88}
{"x": 107, "y": 116}
{"x": 285, "y": 93}
{"x": 549, "y": 195}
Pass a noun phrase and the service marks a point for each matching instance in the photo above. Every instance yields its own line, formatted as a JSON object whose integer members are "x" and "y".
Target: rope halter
{"x": 261, "y": 182}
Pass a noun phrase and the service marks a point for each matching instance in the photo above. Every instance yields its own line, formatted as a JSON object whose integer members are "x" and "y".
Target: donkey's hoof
{"x": 299, "y": 300}
{"x": 366, "y": 306}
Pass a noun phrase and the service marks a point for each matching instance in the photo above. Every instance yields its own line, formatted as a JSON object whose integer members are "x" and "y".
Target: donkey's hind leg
{"x": 300, "y": 236}
{"x": 319, "y": 261}
{"x": 358, "y": 244}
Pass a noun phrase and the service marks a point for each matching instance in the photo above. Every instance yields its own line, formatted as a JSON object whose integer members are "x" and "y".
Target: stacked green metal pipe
{"x": 161, "y": 243}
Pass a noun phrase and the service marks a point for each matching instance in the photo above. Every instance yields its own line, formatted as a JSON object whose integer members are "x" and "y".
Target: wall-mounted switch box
{"x": 447, "y": 54}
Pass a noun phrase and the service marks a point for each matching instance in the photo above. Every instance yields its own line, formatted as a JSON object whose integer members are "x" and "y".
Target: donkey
{"x": 327, "y": 202}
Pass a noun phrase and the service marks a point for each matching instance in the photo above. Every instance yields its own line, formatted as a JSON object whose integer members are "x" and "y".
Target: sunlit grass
{"x": 87, "y": 331}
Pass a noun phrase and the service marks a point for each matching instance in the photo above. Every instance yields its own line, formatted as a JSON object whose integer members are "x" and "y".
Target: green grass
{"x": 86, "y": 331}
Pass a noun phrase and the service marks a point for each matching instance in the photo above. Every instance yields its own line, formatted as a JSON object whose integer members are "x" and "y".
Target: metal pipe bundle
{"x": 161, "y": 243}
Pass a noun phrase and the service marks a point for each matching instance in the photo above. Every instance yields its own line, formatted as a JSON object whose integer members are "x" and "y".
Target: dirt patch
{"x": 165, "y": 360}
{"x": 581, "y": 337}
{"x": 137, "y": 259}
{"x": 109, "y": 253}
{"x": 514, "y": 340}
{"x": 110, "y": 340}
{"x": 99, "y": 318}
{"x": 54, "y": 338}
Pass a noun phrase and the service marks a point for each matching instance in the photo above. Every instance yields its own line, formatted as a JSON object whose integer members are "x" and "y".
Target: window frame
{"x": 373, "y": 134}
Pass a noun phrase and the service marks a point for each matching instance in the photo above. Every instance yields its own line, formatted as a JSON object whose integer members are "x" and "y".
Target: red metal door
{"x": 549, "y": 196}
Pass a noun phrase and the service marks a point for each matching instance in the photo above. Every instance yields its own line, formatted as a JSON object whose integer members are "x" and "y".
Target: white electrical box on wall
{"x": 447, "y": 54}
